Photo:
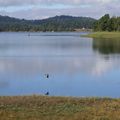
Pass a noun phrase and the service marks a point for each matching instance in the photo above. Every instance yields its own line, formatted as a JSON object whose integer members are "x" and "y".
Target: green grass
{"x": 104, "y": 35}
{"x": 58, "y": 108}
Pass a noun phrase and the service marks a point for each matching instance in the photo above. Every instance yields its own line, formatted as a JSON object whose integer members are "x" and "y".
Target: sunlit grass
{"x": 58, "y": 108}
{"x": 104, "y": 35}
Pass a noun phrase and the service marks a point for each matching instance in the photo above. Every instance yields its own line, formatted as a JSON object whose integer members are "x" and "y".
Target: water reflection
{"x": 43, "y": 45}
{"x": 4, "y": 84}
{"x": 107, "y": 46}
{"x": 71, "y": 63}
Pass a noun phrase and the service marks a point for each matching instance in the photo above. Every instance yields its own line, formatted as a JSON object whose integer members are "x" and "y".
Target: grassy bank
{"x": 104, "y": 35}
{"x": 58, "y": 108}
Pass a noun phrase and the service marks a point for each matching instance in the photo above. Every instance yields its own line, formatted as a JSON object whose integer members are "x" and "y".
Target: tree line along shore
{"x": 57, "y": 23}
{"x": 106, "y": 27}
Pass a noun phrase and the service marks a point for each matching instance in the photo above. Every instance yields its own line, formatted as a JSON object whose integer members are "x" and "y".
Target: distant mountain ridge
{"x": 57, "y": 23}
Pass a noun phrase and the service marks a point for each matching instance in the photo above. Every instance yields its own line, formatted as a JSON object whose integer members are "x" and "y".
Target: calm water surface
{"x": 76, "y": 66}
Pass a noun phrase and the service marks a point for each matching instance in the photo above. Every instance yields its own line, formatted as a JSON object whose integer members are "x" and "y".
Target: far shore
{"x": 103, "y": 35}
{"x": 58, "y": 108}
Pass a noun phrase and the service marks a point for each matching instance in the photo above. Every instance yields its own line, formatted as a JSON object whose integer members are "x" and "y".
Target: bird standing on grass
{"x": 47, "y": 93}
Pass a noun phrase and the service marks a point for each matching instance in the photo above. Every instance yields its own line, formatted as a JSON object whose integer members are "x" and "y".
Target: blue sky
{"x": 39, "y": 9}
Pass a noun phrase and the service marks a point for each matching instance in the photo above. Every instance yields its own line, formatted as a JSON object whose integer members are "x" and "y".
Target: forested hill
{"x": 57, "y": 23}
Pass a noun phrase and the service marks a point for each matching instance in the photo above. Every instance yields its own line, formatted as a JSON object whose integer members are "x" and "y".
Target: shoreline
{"x": 58, "y": 108}
{"x": 106, "y": 35}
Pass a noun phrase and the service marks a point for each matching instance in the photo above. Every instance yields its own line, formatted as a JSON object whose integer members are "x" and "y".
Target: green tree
{"x": 104, "y": 22}
{"x": 107, "y": 24}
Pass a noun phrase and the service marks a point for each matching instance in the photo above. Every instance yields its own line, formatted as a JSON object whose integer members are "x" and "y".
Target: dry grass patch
{"x": 58, "y": 108}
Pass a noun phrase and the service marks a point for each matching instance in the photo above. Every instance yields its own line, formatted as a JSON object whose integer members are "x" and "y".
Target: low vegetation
{"x": 58, "y": 108}
{"x": 109, "y": 35}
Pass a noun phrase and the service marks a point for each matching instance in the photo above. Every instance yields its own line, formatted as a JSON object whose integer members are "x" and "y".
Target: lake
{"x": 78, "y": 67}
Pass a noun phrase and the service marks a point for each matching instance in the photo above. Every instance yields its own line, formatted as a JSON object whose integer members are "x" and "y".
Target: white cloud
{"x": 101, "y": 66}
{"x": 38, "y": 9}
{"x": 49, "y": 2}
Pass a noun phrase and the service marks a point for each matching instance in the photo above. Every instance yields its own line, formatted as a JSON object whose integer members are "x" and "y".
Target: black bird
{"x": 47, "y": 75}
{"x": 47, "y": 93}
